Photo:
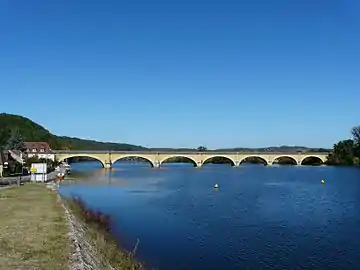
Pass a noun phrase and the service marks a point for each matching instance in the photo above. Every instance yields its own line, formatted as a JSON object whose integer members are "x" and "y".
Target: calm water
{"x": 259, "y": 218}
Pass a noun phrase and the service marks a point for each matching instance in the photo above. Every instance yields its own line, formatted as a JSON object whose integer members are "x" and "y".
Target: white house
{"x": 40, "y": 150}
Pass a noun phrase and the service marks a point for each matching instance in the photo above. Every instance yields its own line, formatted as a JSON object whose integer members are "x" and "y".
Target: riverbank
{"x": 33, "y": 229}
{"x": 39, "y": 230}
{"x": 92, "y": 231}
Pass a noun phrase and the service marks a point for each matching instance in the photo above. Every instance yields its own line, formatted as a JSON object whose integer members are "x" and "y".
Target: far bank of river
{"x": 260, "y": 217}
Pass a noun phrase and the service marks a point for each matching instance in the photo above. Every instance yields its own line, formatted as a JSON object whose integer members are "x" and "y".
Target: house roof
{"x": 38, "y": 146}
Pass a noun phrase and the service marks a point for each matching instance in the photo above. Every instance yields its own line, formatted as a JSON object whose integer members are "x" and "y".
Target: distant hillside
{"x": 283, "y": 149}
{"x": 31, "y": 131}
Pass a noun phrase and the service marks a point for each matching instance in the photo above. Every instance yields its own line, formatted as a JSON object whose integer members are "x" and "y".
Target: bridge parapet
{"x": 186, "y": 152}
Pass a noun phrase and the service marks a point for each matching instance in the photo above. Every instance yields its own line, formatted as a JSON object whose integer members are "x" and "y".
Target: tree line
{"x": 346, "y": 152}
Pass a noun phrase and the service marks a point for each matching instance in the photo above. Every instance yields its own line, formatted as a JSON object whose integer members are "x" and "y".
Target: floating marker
{"x": 216, "y": 186}
{"x": 322, "y": 182}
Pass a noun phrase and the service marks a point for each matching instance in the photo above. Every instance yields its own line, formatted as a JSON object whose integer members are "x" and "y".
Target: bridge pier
{"x": 156, "y": 164}
{"x": 107, "y": 165}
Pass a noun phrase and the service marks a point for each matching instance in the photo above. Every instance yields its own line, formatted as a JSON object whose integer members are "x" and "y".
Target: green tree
{"x": 5, "y": 134}
{"x": 32, "y": 160}
{"x": 356, "y": 161}
{"x": 343, "y": 153}
{"x": 15, "y": 142}
{"x": 355, "y": 131}
{"x": 346, "y": 152}
{"x": 202, "y": 149}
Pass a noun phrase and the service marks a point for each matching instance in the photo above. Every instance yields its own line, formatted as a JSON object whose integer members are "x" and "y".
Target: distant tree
{"x": 32, "y": 160}
{"x": 15, "y": 142}
{"x": 356, "y": 161}
{"x": 5, "y": 134}
{"x": 355, "y": 131}
{"x": 343, "y": 153}
{"x": 202, "y": 149}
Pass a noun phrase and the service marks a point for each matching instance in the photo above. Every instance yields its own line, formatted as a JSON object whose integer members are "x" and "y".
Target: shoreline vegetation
{"x": 96, "y": 228}
{"x": 346, "y": 152}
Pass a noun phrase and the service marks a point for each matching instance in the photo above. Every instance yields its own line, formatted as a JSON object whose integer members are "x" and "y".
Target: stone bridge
{"x": 107, "y": 158}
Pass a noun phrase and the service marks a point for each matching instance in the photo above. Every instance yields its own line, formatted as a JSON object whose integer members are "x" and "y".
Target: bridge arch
{"x": 254, "y": 157}
{"x": 232, "y": 162}
{"x": 151, "y": 162}
{"x": 63, "y": 158}
{"x": 188, "y": 158}
{"x": 282, "y": 157}
{"x": 312, "y": 160}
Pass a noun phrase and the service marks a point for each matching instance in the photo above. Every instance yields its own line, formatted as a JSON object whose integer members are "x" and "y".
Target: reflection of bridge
{"x": 197, "y": 158}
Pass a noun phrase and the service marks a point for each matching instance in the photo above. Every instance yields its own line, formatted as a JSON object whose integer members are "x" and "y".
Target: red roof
{"x": 38, "y": 146}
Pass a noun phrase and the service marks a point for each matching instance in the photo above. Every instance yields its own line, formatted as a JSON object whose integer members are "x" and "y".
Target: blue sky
{"x": 161, "y": 73}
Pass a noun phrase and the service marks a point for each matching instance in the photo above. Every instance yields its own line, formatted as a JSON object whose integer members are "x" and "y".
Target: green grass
{"x": 33, "y": 229}
{"x": 109, "y": 254}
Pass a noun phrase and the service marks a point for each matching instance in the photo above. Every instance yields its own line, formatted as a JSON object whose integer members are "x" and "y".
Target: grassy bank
{"x": 33, "y": 229}
{"x": 97, "y": 234}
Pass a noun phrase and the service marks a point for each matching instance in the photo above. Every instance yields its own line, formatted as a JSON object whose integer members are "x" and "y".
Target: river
{"x": 260, "y": 217}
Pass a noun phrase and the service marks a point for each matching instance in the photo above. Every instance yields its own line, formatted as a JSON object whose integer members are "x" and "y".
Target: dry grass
{"x": 97, "y": 234}
{"x": 33, "y": 229}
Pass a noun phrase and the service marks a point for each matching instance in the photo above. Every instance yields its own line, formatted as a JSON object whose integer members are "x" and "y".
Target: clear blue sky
{"x": 184, "y": 73}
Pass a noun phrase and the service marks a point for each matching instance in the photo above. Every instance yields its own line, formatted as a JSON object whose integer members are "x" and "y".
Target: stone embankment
{"x": 82, "y": 255}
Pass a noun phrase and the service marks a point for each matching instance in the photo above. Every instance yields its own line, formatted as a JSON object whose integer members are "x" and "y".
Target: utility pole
{"x": 21, "y": 169}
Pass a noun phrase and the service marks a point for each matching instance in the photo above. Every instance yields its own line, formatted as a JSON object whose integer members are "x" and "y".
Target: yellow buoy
{"x": 322, "y": 182}
{"x": 216, "y": 186}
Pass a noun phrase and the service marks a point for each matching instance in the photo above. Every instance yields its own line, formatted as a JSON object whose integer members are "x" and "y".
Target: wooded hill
{"x": 31, "y": 131}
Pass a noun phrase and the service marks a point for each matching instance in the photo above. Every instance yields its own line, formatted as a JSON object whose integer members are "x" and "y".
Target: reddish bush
{"x": 92, "y": 216}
